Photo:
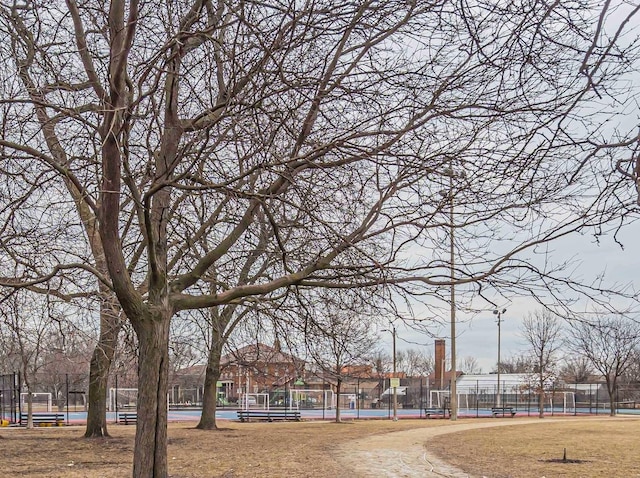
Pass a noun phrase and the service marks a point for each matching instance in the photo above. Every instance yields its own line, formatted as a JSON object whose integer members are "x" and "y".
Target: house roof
{"x": 358, "y": 371}
{"x": 247, "y": 355}
{"x": 192, "y": 370}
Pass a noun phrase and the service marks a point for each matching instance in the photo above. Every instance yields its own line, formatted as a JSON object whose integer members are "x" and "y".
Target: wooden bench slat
{"x": 43, "y": 418}
{"x": 128, "y": 417}
{"x": 503, "y": 411}
{"x": 269, "y": 415}
{"x": 437, "y": 411}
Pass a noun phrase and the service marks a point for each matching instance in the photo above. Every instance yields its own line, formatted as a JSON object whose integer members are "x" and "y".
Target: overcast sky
{"x": 478, "y": 336}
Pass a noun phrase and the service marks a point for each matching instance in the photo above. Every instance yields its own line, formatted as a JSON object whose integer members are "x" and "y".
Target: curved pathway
{"x": 403, "y": 454}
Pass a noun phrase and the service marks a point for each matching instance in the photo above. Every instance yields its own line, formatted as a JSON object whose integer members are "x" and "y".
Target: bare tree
{"x": 339, "y": 339}
{"x": 576, "y": 369}
{"x": 414, "y": 362}
{"x": 469, "y": 365}
{"x": 219, "y": 326}
{"x": 221, "y": 322}
{"x": 517, "y": 363}
{"x": 543, "y": 333}
{"x": 609, "y": 344}
{"x": 65, "y": 363}
{"x": 29, "y": 332}
{"x": 185, "y": 129}
{"x": 631, "y": 376}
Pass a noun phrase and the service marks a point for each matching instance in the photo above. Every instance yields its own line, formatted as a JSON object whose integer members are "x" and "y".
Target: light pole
{"x": 453, "y": 399}
{"x": 395, "y": 389}
{"x": 499, "y": 319}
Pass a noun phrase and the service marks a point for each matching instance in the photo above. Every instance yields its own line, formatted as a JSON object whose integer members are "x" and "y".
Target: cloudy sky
{"x": 477, "y": 336}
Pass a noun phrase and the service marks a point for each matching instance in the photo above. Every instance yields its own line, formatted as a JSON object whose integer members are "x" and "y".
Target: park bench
{"x": 43, "y": 419}
{"x": 442, "y": 412}
{"x": 127, "y": 418}
{"x": 503, "y": 411}
{"x": 269, "y": 415}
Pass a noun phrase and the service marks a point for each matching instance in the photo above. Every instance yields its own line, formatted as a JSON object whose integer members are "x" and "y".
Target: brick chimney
{"x": 440, "y": 359}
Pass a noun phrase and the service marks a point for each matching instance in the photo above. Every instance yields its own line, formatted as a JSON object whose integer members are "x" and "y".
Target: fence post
{"x": 421, "y": 403}
{"x": 115, "y": 399}
{"x": 324, "y": 396}
{"x": 389, "y": 396}
{"x": 66, "y": 380}
{"x": 19, "y": 398}
{"x": 287, "y": 398}
{"x": 477, "y": 398}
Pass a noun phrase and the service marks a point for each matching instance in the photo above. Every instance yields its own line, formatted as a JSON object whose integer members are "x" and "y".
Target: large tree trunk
{"x": 210, "y": 395}
{"x": 611, "y": 388}
{"x": 541, "y": 398}
{"x": 541, "y": 403}
{"x": 29, "y": 408}
{"x": 110, "y": 325}
{"x": 27, "y": 382}
{"x": 98, "y": 378}
{"x": 150, "y": 453}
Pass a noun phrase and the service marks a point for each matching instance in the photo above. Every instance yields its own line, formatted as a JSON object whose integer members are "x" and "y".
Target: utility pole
{"x": 453, "y": 400}
{"x": 498, "y": 313}
{"x": 394, "y": 379}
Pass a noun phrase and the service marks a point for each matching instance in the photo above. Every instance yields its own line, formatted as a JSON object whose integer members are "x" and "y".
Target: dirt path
{"x": 403, "y": 454}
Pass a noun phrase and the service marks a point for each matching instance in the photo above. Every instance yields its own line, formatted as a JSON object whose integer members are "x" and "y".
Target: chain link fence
{"x": 68, "y": 393}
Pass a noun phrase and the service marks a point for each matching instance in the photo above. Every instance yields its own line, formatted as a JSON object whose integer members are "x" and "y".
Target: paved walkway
{"x": 403, "y": 454}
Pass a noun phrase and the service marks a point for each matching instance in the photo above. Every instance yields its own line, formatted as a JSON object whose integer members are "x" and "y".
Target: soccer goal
{"x": 441, "y": 398}
{"x": 312, "y": 398}
{"x": 568, "y": 402}
{"x": 41, "y": 401}
{"x": 438, "y": 398}
{"x": 123, "y": 399}
{"x": 254, "y": 400}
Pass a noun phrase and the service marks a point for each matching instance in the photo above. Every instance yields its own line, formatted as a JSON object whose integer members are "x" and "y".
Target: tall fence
{"x": 69, "y": 393}
{"x": 9, "y": 398}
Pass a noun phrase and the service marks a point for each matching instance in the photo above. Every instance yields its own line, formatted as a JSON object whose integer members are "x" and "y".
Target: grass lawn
{"x": 609, "y": 448}
{"x": 289, "y": 449}
{"x": 598, "y": 448}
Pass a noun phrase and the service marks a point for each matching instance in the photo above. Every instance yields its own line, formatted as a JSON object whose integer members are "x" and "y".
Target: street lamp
{"x": 498, "y": 313}
{"x": 453, "y": 399}
{"x": 395, "y": 389}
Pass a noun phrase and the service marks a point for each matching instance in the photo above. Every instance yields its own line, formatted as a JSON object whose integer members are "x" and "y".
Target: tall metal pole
{"x": 498, "y": 391}
{"x": 453, "y": 400}
{"x": 392, "y": 381}
{"x": 499, "y": 314}
{"x": 395, "y": 389}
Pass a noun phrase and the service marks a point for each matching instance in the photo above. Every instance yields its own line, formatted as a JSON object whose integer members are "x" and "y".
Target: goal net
{"x": 564, "y": 401}
{"x": 438, "y": 398}
{"x": 441, "y": 398}
{"x": 123, "y": 399}
{"x": 41, "y": 401}
{"x": 312, "y": 398}
{"x": 254, "y": 400}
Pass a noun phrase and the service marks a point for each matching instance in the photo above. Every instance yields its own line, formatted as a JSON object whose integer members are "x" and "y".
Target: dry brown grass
{"x": 237, "y": 450}
{"x": 608, "y": 448}
{"x": 307, "y": 449}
